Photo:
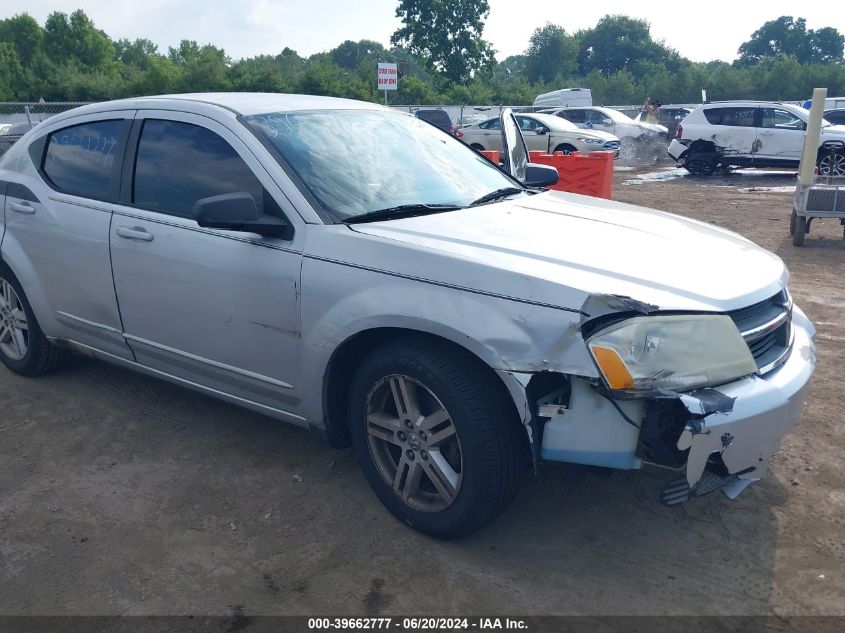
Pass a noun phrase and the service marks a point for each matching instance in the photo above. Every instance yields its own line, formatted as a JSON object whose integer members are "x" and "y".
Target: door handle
{"x": 767, "y": 133}
{"x": 134, "y": 233}
{"x": 22, "y": 207}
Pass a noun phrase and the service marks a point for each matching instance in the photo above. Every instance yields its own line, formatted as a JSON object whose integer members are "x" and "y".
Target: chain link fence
{"x": 18, "y": 118}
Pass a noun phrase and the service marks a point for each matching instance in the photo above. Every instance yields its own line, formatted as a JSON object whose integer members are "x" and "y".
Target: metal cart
{"x": 823, "y": 199}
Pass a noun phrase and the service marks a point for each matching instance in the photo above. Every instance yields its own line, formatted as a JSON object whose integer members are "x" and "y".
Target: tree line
{"x": 444, "y": 60}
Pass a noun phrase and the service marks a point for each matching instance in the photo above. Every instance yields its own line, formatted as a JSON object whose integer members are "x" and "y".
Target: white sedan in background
{"x": 542, "y": 132}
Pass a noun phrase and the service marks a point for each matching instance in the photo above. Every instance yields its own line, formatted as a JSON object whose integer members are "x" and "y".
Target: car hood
{"x": 834, "y": 130}
{"x": 653, "y": 127}
{"x": 551, "y": 244}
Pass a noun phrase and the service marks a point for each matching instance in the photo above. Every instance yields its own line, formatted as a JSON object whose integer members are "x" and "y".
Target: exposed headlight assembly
{"x": 591, "y": 141}
{"x": 671, "y": 353}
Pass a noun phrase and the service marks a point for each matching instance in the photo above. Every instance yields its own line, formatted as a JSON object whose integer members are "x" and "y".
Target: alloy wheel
{"x": 832, "y": 165}
{"x": 414, "y": 443}
{"x": 14, "y": 329}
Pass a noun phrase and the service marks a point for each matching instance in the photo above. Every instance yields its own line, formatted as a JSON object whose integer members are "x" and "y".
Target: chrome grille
{"x": 767, "y": 329}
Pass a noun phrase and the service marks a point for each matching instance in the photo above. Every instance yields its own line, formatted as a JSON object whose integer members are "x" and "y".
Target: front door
{"x": 536, "y": 135}
{"x": 780, "y": 136}
{"x": 216, "y": 308}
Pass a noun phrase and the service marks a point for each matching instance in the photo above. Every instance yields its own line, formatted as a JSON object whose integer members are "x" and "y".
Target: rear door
{"x": 57, "y": 228}
{"x": 216, "y": 308}
{"x": 734, "y": 130}
{"x": 491, "y": 134}
{"x": 780, "y": 135}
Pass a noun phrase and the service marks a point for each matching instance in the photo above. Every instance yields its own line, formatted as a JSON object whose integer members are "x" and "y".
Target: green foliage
{"x": 446, "y": 35}
{"x": 444, "y": 60}
{"x": 551, "y": 54}
{"x": 790, "y": 37}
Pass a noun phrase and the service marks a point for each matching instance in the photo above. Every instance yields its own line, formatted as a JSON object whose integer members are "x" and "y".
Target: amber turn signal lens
{"x": 614, "y": 370}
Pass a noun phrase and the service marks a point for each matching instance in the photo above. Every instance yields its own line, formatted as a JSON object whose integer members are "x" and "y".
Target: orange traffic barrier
{"x": 588, "y": 174}
{"x": 491, "y": 155}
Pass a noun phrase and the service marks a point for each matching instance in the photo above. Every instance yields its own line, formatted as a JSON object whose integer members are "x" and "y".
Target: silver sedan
{"x": 357, "y": 272}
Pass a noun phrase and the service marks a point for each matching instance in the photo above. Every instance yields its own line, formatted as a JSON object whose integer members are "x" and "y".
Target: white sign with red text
{"x": 388, "y": 76}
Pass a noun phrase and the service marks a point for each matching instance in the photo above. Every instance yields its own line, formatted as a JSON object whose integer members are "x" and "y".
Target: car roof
{"x": 746, "y": 103}
{"x": 242, "y": 103}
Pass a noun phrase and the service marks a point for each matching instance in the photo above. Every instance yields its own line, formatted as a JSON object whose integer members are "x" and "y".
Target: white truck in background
{"x": 565, "y": 97}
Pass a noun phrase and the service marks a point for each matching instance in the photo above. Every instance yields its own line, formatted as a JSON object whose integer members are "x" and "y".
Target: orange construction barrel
{"x": 588, "y": 174}
{"x": 491, "y": 155}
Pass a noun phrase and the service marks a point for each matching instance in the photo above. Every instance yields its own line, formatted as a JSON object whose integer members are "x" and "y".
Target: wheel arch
{"x": 347, "y": 356}
{"x": 17, "y": 262}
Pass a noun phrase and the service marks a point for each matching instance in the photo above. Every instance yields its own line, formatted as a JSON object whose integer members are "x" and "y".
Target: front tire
{"x": 477, "y": 147}
{"x": 566, "y": 148}
{"x": 832, "y": 164}
{"x": 436, "y": 436}
{"x": 23, "y": 347}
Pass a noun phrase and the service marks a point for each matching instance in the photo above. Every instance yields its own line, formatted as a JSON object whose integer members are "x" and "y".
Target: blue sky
{"x": 700, "y": 31}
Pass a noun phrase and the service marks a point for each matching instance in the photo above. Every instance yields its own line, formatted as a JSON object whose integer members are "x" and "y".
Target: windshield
{"x": 359, "y": 161}
{"x": 614, "y": 115}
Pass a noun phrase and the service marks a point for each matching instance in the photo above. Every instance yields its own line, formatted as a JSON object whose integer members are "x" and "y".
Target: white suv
{"x": 753, "y": 133}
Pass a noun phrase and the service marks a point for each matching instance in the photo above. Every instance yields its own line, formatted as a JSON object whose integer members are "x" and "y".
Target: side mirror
{"x": 540, "y": 175}
{"x": 541, "y": 131}
{"x": 606, "y": 122}
{"x": 238, "y": 212}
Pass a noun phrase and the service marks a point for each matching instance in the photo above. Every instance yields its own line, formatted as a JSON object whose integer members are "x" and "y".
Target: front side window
{"x": 595, "y": 117}
{"x": 526, "y": 124}
{"x": 80, "y": 160}
{"x": 576, "y": 116}
{"x": 781, "y": 119}
{"x": 180, "y": 163}
{"x": 359, "y": 161}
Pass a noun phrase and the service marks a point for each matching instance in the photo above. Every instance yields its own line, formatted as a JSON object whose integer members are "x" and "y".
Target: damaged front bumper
{"x": 719, "y": 438}
{"x": 746, "y": 435}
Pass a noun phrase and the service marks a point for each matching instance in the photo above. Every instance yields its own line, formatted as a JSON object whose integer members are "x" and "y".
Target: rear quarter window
{"x": 80, "y": 160}
{"x": 713, "y": 116}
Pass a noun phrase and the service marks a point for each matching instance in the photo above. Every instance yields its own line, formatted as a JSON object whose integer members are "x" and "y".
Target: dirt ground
{"x": 123, "y": 495}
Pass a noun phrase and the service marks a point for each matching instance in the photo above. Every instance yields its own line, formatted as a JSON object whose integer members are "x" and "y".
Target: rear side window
{"x": 735, "y": 117}
{"x": 80, "y": 160}
{"x": 714, "y": 116}
{"x": 492, "y": 124}
{"x": 180, "y": 163}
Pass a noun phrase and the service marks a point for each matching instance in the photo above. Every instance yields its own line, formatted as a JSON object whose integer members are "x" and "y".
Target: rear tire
{"x": 451, "y": 459}
{"x": 477, "y": 147}
{"x": 701, "y": 163}
{"x": 23, "y": 347}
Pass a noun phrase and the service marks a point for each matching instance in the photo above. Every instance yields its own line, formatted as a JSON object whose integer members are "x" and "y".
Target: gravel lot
{"x": 123, "y": 495}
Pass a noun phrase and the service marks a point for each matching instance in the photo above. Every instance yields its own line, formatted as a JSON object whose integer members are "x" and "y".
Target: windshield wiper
{"x": 495, "y": 195}
{"x": 401, "y": 211}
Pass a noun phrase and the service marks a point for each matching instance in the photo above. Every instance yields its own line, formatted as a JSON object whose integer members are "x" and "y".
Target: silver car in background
{"x": 355, "y": 271}
{"x": 542, "y": 132}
